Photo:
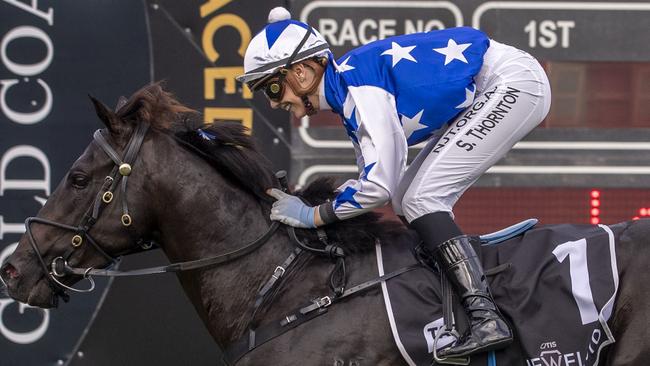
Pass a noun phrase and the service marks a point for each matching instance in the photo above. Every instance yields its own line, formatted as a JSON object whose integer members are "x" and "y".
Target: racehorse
{"x": 198, "y": 192}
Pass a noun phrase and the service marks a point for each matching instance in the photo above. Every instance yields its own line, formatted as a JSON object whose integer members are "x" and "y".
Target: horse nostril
{"x": 9, "y": 272}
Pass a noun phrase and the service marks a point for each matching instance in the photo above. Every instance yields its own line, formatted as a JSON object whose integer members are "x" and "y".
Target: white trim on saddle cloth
{"x": 389, "y": 309}
{"x": 606, "y": 311}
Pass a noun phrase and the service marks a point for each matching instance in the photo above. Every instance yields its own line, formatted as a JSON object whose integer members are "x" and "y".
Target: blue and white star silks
{"x": 206, "y": 135}
{"x": 453, "y": 51}
{"x": 398, "y": 53}
{"x": 469, "y": 97}
{"x": 367, "y": 169}
{"x": 395, "y": 93}
{"x": 412, "y": 124}
{"x": 347, "y": 196}
{"x": 343, "y": 66}
{"x": 274, "y": 30}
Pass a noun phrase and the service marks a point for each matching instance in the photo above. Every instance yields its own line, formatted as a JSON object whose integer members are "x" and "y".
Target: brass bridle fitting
{"x": 125, "y": 169}
{"x": 107, "y": 197}
{"x": 77, "y": 240}
{"x": 126, "y": 220}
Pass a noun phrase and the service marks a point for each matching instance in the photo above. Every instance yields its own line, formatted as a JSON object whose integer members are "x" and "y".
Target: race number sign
{"x": 549, "y": 30}
{"x": 602, "y": 31}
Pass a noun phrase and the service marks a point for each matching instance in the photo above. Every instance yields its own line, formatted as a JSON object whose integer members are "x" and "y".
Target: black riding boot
{"x": 456, "y": 257}
{"x": 487, "y": 329}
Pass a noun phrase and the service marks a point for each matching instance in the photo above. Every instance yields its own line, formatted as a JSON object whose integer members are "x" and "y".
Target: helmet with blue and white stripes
{"x": 281, "y": 43}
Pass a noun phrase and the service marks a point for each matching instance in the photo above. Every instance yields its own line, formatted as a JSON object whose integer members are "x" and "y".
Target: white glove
{"x": 290, "y": 210}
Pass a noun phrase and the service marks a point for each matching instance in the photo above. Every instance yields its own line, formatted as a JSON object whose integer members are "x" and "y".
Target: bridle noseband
{"x": 120, "y": 172}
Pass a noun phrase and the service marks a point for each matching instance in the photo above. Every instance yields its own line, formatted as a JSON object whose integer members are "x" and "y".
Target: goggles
{"x": 274, "y": 89}
{"x": 273, "y": 86}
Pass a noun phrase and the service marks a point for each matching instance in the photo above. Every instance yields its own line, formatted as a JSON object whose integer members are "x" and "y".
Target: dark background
{"x": 110, "y": 48}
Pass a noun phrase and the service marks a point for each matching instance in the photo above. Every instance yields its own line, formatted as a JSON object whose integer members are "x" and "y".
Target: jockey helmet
{"x": 280, "y": 44}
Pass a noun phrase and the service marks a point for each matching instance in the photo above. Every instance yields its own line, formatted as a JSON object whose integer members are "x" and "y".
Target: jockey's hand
{"x": 291, "y": 210}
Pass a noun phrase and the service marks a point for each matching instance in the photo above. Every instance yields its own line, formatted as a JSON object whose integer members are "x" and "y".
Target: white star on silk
{"x": 398, "y": 52}
{"x": 469, "y": 98}
{"x": 453, "y": 51}
{"x": 412, "y": 124}
{"x": 343, "y": 67}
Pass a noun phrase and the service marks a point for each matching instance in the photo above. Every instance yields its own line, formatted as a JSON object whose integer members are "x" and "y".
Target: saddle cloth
{"x": 558, "y": 293}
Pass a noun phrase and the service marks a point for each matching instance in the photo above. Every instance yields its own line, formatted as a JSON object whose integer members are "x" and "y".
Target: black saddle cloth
{"x": 557, "y": 293}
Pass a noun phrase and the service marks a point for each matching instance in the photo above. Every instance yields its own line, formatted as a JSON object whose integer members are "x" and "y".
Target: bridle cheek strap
{"x": 123, "y": 166}
{"x": 304, "y": 92}
{"x": 120, "y": 171}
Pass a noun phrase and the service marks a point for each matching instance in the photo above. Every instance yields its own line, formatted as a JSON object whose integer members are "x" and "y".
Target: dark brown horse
{"x": 200, "y": 193}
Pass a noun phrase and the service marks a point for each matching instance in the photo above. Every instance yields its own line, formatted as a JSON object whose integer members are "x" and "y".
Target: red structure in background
{"x": 595, "y": 207}
{"x": 482, "y": 210}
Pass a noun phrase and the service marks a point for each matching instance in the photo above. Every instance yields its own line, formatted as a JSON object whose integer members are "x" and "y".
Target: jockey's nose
{"x": 274, "y": 105}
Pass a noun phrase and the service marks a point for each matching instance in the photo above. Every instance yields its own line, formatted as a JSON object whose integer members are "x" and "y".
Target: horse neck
{"x": 201, "y": 214}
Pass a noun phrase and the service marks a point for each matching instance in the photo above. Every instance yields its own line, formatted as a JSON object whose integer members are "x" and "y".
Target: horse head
{"x": 105, "y": 205}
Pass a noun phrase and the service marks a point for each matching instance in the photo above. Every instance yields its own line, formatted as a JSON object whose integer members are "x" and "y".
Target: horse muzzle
{"x": 10, "y": 277}
{"x": 8, "y": 273}
{"x": 39, "y": 294}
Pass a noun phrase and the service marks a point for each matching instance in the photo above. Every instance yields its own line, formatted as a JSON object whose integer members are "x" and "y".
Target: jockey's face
{"x": 289, "y": 100}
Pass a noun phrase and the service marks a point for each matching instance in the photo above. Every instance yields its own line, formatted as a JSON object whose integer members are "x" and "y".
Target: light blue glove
{"x": 291, "y": 210}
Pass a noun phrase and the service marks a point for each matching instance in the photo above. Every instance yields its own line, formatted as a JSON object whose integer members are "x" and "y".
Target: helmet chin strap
{"x": 309, "y": 107}
{"x": 304, "y": 91}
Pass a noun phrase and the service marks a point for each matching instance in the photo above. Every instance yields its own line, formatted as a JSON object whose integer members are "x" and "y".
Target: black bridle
{"x": 59, "y": 267}
{"x": 119, "y": 174}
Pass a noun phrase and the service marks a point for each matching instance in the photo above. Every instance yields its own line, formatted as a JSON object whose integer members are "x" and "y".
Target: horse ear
{"x": 110, "y": 119}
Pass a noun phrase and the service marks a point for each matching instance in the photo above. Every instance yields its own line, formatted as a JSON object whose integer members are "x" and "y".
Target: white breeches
{"x": 512, "y": 97}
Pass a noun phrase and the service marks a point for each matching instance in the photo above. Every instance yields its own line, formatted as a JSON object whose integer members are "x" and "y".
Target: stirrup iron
{"x": 464, "y": 361}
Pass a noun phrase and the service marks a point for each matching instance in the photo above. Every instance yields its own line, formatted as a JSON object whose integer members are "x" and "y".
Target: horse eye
{"x": 79, "y": 180}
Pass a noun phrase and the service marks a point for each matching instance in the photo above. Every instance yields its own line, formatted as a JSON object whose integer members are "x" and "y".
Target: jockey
{"x": 468, "y": 97}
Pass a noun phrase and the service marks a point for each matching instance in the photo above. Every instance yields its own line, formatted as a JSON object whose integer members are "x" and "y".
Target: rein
{"x": 180, "y": 266}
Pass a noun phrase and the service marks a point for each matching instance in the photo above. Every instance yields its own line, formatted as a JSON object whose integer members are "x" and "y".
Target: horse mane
{"x": 229, "y": 148}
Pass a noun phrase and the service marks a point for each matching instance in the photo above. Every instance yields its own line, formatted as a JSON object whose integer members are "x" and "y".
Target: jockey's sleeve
{"x": 360, "y": 166}
{"x": 382, "y": 156}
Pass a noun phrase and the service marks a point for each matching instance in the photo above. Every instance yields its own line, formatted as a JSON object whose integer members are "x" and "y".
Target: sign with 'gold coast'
{"x": 52, "y": 55}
